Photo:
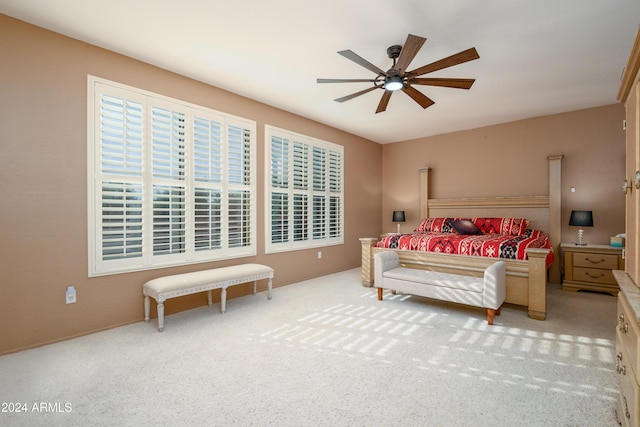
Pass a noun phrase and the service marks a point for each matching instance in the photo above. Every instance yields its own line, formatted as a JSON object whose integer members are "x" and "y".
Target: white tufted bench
{"x": 163, "y": 288}
{"x": 487, "y": 292}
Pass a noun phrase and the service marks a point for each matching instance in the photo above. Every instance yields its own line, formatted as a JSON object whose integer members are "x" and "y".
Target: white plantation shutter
{"x": 120, "y": 154}
{"x": 319, "y": 217}
{"x": 300, "y": 165}
{"x": 168, "y": 148}
{"x": 335, "y": 194}
{"x": 319, "y": 185}
{"x": 239, "y": 219}
{"x": 207, "y": 163}
{"x": 279, "y": 217}
{"x": 300, "y": 191}
{"x": 240, "y": 194}
{"x": 304, "y": 192}
{"x": 279, "y": 182}
{"x": 121, "y": 220}
{"x": 300, "y": 218}
{"x": 169, "y": 182}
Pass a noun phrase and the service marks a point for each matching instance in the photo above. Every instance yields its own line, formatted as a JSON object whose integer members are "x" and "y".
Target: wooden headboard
{"x": 542, "y": 211}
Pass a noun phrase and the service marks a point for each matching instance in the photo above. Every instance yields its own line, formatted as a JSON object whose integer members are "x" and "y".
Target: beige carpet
{"x": 325, "y": 352}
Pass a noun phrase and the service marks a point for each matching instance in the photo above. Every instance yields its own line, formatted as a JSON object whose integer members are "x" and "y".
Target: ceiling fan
{"x": 397, "y": 77}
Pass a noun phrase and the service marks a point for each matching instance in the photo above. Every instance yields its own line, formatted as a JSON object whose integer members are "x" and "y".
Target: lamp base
{"x": 398, "y": 228}
{"x": 580, "y": 241}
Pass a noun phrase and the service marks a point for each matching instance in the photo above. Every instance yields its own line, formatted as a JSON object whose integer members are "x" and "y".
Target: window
{"x": 304, "y": 192}
{"x": 169, "y": 182}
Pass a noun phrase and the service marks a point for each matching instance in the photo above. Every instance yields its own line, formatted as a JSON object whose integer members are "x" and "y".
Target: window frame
{"x": 246, "y": 141}
{"x": 292, "y": 192}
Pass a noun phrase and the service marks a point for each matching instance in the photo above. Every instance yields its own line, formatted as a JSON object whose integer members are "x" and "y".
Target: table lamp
{"x": 398, "y": 216}
{"x": 581, "y": 219}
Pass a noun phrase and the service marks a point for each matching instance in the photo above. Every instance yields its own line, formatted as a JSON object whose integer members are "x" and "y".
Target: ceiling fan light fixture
{"x": 393, "y": 83}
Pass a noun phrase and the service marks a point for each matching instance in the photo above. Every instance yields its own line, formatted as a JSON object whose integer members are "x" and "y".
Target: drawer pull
{"x": 626, "y": 408}
{"x": 596, "y": 261}
{"x": 594, "y": 276}
{"x": 622, "y": 325}
{"x": 620, "y": 368}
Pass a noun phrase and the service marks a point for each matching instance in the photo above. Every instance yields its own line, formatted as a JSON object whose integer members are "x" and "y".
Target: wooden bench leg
{"x": 255, "y": 286}
{"x": 147, "y": 308}
{"x": 223, "y": 300}
{"x": 269, "y": 286}
{"x": 209, "y": 298}
{"x": 380, "y": 294}
{"x": 161, "y": 316}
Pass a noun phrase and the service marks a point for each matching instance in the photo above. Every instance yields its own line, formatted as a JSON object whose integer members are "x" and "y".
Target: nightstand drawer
{"x": 605, "y": 261}
{"x": 594, "y": 275}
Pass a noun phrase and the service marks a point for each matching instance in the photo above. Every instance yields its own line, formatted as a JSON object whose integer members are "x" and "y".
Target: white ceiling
{"x": 536, "y": 57}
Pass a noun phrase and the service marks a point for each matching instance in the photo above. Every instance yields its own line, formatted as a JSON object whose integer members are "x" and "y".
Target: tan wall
{"x": 511, "y": 160}
{"x": 43, "y": 192}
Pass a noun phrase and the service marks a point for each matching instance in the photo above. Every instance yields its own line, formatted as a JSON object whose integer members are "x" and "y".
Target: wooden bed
{"x": 526, "y": 280}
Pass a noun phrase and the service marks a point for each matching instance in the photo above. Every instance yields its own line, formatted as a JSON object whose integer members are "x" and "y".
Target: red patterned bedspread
{"x": 485, "y": 245}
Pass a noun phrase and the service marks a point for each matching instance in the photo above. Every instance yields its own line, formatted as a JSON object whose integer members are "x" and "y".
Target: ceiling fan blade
{"x": 384, "y": 101}
{"x": 408, "y": 52}
{"x": 344, "y": 80}
{"x": 450, "y": 61}
{"x": 454, "y": 83}
{"x": 418, "y": 96}
{"x": 353, "y": 95}
{"x": 361, "y": 61}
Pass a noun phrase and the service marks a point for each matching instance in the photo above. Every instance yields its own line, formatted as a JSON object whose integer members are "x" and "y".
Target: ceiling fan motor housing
{"x": 394, "y": 51}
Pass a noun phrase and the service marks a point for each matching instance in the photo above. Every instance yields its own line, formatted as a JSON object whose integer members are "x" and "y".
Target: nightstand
{"x": 589, "y": 267}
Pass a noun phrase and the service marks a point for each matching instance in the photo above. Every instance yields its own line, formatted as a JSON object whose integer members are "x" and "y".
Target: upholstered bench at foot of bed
{"x": 178, "y": 285}
{"x": 487, "y": 292}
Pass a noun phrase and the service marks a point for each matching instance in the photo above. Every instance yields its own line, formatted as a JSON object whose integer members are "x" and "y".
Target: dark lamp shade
{"x": 581, "y": 219}
{"x": 398, "y": 216}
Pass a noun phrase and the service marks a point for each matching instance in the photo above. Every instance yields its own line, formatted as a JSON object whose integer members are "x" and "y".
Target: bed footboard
{"x": 526, "y": 280}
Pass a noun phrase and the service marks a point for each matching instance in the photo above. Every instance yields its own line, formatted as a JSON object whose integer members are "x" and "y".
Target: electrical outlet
{"x": 319, "y": 254}
{"x": 71, "y": 294}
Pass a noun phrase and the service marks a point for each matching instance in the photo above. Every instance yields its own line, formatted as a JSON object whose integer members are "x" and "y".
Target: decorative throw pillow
{"x": 435, "y": 225}
{"x": 425, "y": 226}
{"x": 505, "y": 226}
{"x": 465, "y": 227}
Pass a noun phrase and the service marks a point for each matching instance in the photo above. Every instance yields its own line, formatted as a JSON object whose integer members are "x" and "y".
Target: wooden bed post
{"x": 367, "y": 260}
{"x": 555, "y": 213}
{"x": 537, "y": 283}
{"x": 424, "y": 192}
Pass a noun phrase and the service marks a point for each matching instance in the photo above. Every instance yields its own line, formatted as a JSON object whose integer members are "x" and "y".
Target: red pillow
{"x": 505, "y": 226}
{"x": 436, "y": 225}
